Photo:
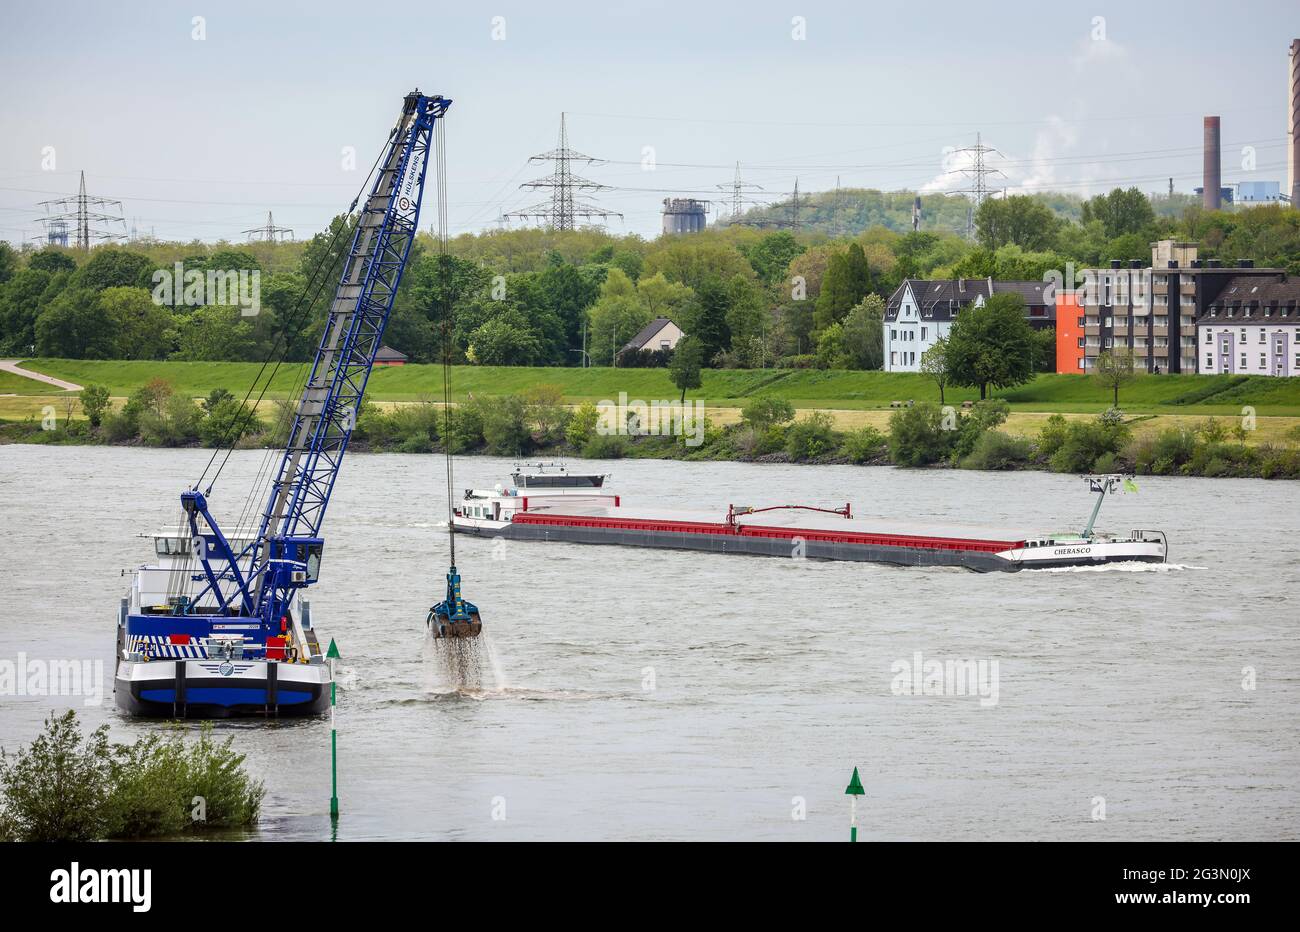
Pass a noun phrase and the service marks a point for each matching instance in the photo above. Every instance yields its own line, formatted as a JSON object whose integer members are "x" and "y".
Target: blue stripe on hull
{"x": 224, "y": 696}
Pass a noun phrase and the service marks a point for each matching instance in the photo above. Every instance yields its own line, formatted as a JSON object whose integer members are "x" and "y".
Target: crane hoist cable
{"x": 453, "y": 617}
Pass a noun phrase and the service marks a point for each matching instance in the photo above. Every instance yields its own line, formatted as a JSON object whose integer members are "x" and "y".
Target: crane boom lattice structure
{"x": 565, "y": 206}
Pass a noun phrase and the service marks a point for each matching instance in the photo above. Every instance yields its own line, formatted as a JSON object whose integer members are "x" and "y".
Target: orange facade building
{"x": 1069, "y": 333}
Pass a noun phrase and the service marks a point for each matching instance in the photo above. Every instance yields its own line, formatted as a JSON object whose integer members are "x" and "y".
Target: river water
{"x": 660, "y": 695}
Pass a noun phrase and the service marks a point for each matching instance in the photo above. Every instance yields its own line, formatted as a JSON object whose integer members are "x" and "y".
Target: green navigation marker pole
{"x": 332, "y": 655}
{"x": 853, "y": 791}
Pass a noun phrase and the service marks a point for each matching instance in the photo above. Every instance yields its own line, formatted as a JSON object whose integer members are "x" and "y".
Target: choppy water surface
{"x": 660, "y": 695}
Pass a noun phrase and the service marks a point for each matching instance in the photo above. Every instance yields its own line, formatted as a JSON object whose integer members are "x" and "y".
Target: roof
{"x": 388, "y": 354}
{"x": 938, "y": 298}
{"x": 647, "y": 333}
{"x": 1248, "y": 297}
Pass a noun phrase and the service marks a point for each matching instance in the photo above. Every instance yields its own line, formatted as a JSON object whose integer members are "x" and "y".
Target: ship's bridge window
{"x": 166, "y": 546}
{"x": 558, "y": 482}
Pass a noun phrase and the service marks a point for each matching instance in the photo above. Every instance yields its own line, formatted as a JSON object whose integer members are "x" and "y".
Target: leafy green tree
{"x": 706, "y": 319}
{"x": 746, "y": 322}
{"x": 1114, "y": 369}
{"x": 8, "y": 262}
{"x": 141, "y": 329}
{"x": 765, "y": 411}
{"x": 616, "y": 317}
{"x": 688, "y": 359}
{"x": 934, "y": 365}
{"x": 1121, "y": 212}
{"x": 991, "y": 345}
{"x": 832, "y": 352}
{"x": 51, "y": 260}
{"x": 503, "y": 341}
{"x": 113, "y": 267}
{"x": 75, "y": 326}
{"x": 864, "y": 337}
{"x": 771, "y": 256}
{"x": 1018, "y": 219}
{"x": 688, "y": 261}
{"x": 214, "y": 333}
{"x": 847, "y": 281}
{"x": 663, "y": 298}
{"x": 20, "y": 305}
{"x": 94, "y": 402}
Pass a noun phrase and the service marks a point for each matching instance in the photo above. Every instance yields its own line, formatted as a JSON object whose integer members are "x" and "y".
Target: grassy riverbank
{"x": 764, "y": 428}
{"x": 722, "y": 388}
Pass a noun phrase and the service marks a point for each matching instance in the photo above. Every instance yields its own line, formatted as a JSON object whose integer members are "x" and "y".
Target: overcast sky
{"x": 200, "y": 138}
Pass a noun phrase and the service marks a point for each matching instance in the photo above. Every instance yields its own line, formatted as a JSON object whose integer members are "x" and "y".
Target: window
{"x": 1243, "y": 361}
{"x": 1209, "y": 336}
{"x": 922, "y": 333}
{"x": 1262, "y": 336}
{"x": 1209, "y": 360}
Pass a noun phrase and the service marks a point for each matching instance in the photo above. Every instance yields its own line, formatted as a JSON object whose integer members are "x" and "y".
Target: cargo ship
{"x": 549, "y": 502}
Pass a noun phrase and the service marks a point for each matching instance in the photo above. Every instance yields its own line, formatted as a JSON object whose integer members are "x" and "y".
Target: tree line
{"x": 746, "y": 297}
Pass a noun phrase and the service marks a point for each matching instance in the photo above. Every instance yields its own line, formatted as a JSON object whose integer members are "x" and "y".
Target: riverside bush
{"x": 810, "y": 438}
{"x": 864, "y": 444}
{"x": 997, "y": 450}
{"x": 917, "y": 437}
{"x": 69, "y": 786}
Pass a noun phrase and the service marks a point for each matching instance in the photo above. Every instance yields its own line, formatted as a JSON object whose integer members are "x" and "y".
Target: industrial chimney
{"x": 1212, "y": 180}
{"x": 1293, "y": 125}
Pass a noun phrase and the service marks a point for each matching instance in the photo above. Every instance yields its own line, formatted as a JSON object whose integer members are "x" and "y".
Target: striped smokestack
{"x": 1212, "y": 180}
{"x": 1293, "y": 125}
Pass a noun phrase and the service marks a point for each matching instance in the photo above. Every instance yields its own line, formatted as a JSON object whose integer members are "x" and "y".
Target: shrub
{"x": 810, "y": 438}
{"x": 984, "y": 416}
{"x": 605, "y": 447}
{"x": 177, "y": 423}
{"x": 68, "y": 786}
{"x": 1052, "y": 436}
{"x": 55, "y": 790}
{"x": 863, "y": 444}
{"x": 94, "y": 402}
{"x": 227, "y": 420}
{"x": 1085, "y": 441}
{"x": 917, "y": 437}
{"x": 582, "y": 425}
{"x": 764, "y": 411}
{"x": 997, "y": 450}
{"x": 546, "y": 412}
{"x": 505, "y": 425}
{"x": 465, "y": 431}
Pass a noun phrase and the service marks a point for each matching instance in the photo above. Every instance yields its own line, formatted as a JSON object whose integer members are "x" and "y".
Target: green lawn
{"x": 1169, "y": 394}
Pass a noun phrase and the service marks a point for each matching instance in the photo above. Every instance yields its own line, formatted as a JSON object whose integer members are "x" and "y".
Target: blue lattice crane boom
{"x": 286, "y": 554}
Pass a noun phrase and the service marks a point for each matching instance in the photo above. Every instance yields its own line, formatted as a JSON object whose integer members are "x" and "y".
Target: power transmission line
{"x": 979, "y": 173}
{"x": 738, "y": 189}
{"x": 86, "y": 213}
{"x": 269, "y": 233}
{"x": 564, "y": 206}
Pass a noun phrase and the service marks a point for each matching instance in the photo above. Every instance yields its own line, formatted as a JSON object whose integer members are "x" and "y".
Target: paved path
{"x": 12, "y": 365}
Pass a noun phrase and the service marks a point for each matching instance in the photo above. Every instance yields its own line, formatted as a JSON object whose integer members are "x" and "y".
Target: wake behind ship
{"x": 547, "y": 502}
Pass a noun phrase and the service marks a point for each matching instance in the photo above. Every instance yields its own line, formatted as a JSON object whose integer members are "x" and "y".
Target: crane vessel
{"x": 218, "y": 626}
